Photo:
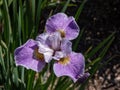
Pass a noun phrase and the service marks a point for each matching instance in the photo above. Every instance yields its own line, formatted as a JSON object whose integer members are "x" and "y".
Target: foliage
{"x": 19, "y": 20}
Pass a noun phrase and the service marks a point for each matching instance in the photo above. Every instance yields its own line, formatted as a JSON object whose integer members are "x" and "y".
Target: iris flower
{"x": 35, "y": 53}
{"x": 60, "y": 22}
{"x": 54, "y": 44}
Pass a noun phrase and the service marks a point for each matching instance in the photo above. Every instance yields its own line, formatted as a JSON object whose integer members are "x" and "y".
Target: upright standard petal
{"x": 66, "y": 46}
{"x": 46, "y": 51}
{"x": 54, "y": 41}
{"x": 65, "y": 49}
{"x": 72, "y": 29}
{"x": 42, "y": 37}
{"x": 24, "y": 56}
{"x": 67, "y": 26}
{"x": 72, "y": 66}
{"x": 56, "y": 22}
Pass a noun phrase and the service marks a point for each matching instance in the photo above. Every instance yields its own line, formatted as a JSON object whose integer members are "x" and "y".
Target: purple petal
{"x": 24, "y": 56}
{"x": 46, "y": 51}
{"x": 83, "y": 77}
{"x": 56, "y": 22}
{"x": 58, "y": 55}
{"x": 72, "y": 29}
{"x": 42, "y": 37}
{"x": 73, "y": 68}
{"x": 53, "y": 41}
{"x": 63, "y": 23}
{"x": 66, "y": 46}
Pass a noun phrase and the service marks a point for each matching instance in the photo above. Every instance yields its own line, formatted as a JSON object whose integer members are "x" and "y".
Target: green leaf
{"x": 15, "y": 76}
{"x": 93, "y": 62}
{"x": 80, "y": 9}
{"x": 2, "y": 43}
{"x": 99, "y": 46}
{"x": 39, "y": 9}
{"x": 31, "y": 76}
{"x": 7, "y": 23}
{"x": 65, "y": 6}
{"x": 77, "y": 40}
{"x": 9, "y": 2}
{"x": 2, "y": 61}
{"x": 102, "y": 54}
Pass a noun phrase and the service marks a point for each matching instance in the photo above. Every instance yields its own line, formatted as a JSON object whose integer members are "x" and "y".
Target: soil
{"x": 101, "y": 18}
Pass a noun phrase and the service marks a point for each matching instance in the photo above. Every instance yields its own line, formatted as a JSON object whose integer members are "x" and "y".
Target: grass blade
{"x": 65, "y": 6}
{"x": 80, "y": 9}
{"x": 78, "y": 40}
{"x": 99, "y": 46}
{"x": 7, "y": 27}
{"x": 30, "y": 82}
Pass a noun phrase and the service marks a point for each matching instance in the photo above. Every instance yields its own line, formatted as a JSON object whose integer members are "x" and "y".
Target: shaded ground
{"x": 101, "y": 18}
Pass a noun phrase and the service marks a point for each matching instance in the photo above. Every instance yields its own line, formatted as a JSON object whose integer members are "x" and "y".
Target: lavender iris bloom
{"x": 54, "y": 44}
{"x": 67, "y": 26}
{"x": 73, "y": 66}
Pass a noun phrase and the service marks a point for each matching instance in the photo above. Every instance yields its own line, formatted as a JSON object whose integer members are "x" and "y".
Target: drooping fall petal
{"x": 24, "y": 56}
{"x": 72, "y": 66}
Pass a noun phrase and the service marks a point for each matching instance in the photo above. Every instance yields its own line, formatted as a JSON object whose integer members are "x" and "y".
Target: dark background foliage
{"x": 101, "y": 18}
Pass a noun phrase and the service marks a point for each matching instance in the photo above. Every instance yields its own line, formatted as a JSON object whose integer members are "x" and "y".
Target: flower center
{"x": 62, "y": 33}
{"x": 38, "y": 55}
{"x": 64, "y": 60}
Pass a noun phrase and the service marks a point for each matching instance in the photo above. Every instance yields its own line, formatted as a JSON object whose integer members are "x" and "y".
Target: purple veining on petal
{"x": 59, "y": 22}
{"x": 82, "y": 78}
{"x": 56, "y": 22}
{"x": 54, "y": 41}
{"x": 50, "y": 46}
{"x": 24, "y": 56}
{"x": 42, "y": 37}
{"x": 61, "y": 46}
{"x": 46, "y": 51}
{"x": 73, "y": 68}
{"x": 66, "y": 46}
{"x": 72, "y": 29}
{"x": 58, "y": 55}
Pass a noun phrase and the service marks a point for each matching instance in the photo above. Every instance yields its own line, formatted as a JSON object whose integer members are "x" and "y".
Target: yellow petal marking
{"x": 64, "y": 60}
{"x": 62, "y": 33}
{"x": 38, "y": 55}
